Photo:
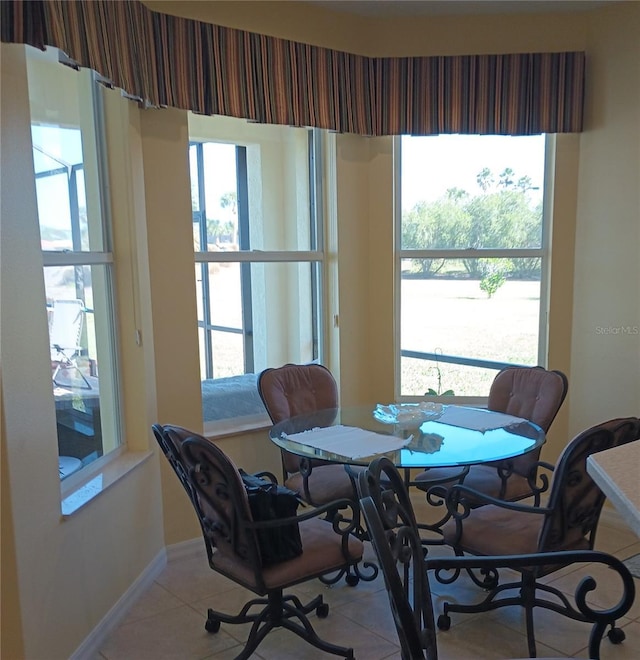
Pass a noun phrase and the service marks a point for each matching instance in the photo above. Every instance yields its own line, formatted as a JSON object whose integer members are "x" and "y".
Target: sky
{"x": 431, "y": 165}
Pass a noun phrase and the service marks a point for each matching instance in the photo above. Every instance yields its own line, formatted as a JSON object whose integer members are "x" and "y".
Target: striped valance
{"x": 170, "y": 61}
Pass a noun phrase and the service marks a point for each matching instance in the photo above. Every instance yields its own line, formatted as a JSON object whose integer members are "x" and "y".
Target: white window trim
{"x": 259, "y": 256}
{"x": 71, "y": 258}
{"x": 236, "y": 425}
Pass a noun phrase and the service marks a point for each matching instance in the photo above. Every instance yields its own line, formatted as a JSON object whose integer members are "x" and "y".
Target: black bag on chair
{"x": 269, "y": 501}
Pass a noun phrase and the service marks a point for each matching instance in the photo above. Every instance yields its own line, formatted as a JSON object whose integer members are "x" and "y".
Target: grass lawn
{"x": 455, "y": 317}
{"x": 448, "y": 316}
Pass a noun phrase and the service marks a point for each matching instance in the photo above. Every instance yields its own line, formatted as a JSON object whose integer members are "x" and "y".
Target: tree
{"x": 219, "y": 231}
{"x": 213, "y": 230}
{"x": 230, "y": 200}
{"x": 502, "y": 216}
{"x": 495, "y": 275}
{"x": 432, "y": 226}
{"x": 485, "y": 179}
{"x": 506, "y": 177}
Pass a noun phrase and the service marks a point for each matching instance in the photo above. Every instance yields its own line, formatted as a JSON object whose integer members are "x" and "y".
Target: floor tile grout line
{"x": 625, "y": 549}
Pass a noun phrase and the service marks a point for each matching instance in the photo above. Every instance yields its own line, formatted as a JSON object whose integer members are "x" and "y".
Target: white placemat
{"x": 477, "y": 419}
{"x": 348, "y": 441}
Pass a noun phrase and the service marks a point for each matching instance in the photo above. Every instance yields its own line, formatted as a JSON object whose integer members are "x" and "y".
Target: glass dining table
{"x": 411, "y": 435}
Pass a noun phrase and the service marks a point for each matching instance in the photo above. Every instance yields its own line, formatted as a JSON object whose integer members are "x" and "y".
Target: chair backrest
{"x": 575, "y": 500}
{"x": 66, "y": 327}
{"x": 530, "y": 392}
{"x": 533, "y": 393}
{"x": 394, "y": 535}
{"x": 170, "y": 445}
{"x": 403, "y": 547}
{"x": 218, "y": 495}
{"x": 296, "y": 389}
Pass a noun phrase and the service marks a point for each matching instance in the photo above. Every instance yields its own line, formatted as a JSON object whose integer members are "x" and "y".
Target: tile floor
{"x": 167, "y": 622}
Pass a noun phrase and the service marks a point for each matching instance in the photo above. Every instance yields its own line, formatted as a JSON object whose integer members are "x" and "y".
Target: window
{"x": 472, "y": 261}
{"x": 257, "y": 232}
{"x": 66, "y": 135}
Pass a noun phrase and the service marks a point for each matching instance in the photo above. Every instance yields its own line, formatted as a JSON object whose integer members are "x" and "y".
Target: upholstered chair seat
{"x": 322, "y": 552}
{"x": 326, "y": 482}
{"x": 496, "y": 531}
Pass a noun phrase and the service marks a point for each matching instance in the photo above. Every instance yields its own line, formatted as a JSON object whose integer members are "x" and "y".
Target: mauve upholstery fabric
{"x": 326, "y": 482}
{"x": 296, "y": 389}
{"x": 491, "y": 530}
{"x": 321, "y": 553}
{"x": 299, "y": 389}
{"x": 530, "y": 392}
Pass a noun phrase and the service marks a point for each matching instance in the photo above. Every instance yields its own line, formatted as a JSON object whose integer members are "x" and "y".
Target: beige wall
{"x": 107, "y": 545}
{"x": 406, "y": 36}
{"x": 69, "y": 573}
{"x": 606, "y": 367}
{"x": 365, "y": 265}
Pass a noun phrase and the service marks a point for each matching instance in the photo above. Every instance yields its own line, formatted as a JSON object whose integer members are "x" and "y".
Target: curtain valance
{"x": 170, "y": 61}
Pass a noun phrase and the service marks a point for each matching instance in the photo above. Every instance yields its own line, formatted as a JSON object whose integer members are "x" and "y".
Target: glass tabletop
{"x": 448, "y": 436}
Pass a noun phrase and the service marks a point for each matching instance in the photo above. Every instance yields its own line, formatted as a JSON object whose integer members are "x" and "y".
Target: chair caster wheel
{"x": 616, "y": 635}
{"x": 352, "y": 580}
{"x": 322, "y": 611}
{"x": 212, "y": 625}
{"x": 444, "y": 622}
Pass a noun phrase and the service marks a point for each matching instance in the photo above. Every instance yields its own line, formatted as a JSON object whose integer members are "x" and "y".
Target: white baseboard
{"x": 186, "y": 548}
{"x": 91, "y": 645}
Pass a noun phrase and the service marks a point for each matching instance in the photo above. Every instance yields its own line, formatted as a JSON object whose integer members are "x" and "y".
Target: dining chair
{"x": 299, "y": 389}
{"x": 302, "y": 389}
{"x": 405, "y": 566}
{"x": 65, "y": 329}
{"x": 567, "y": 522}
{"x": 533, "y": 393}
{"x": 219, "y": 498}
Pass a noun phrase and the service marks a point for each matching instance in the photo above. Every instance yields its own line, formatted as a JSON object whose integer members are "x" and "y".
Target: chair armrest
{"x": 560, "y": 558}
{"x": 539, "y": 483}
{"x": 455, "y": 502}
{"x": 306, "y": 467}
{"x": 334, "y": 506}
{"x": 343, "y": 526}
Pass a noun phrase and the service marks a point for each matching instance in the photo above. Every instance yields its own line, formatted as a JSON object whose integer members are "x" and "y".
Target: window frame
{"x": 79, "y": 258}
{"x": 246, "y": 256}
{"x": 543, "y": 252}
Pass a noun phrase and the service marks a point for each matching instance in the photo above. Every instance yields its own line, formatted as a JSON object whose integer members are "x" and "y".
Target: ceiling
{"x": 408, "y": 8}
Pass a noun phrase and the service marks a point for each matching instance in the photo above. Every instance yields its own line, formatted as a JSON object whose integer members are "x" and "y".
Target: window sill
{"x": 236, "y": 426}
{"x": 92, "y": 485}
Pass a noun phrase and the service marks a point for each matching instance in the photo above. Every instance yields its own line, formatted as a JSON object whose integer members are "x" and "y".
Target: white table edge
{"x": 601, "y": 468}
